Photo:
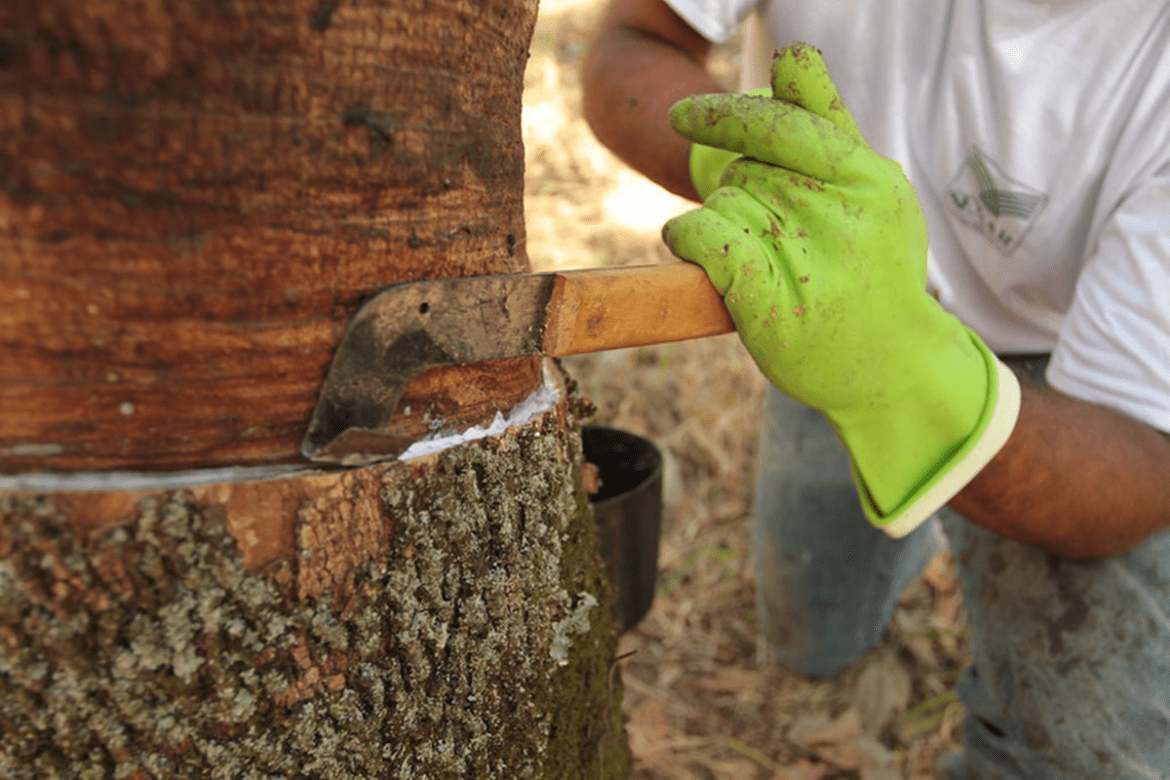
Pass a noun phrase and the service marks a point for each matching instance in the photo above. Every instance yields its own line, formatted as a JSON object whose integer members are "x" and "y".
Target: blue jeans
{"x": 1071, "y": 677}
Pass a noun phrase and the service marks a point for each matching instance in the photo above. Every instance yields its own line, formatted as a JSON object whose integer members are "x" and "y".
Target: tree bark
{"x": 194, "y": 198}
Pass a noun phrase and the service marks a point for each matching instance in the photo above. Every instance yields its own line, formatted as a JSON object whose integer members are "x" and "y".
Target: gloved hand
{"x": 818, "y": 245}
{"x": 707, "y": 163}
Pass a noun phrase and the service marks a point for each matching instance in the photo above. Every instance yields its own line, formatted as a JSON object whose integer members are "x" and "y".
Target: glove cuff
{"x": 995, "y": 425}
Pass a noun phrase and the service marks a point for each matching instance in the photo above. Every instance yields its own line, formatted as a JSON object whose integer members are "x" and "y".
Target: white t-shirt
{"x": 1037, "y": 135}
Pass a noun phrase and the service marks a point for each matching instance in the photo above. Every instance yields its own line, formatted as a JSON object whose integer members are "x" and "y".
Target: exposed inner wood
{"x": 457, "y": 397}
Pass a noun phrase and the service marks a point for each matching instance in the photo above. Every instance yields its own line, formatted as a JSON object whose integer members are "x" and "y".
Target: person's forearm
{"x": 631, "y": 80}
{"x": 1075, "y": 478}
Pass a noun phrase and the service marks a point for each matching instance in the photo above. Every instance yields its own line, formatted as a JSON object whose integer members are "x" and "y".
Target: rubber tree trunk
{"x": 194, "y": 198}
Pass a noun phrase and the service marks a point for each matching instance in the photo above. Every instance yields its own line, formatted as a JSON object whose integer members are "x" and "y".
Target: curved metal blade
{"x": 405, "y": 330}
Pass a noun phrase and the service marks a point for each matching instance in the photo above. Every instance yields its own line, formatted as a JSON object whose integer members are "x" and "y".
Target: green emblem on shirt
{"x": 990, "y": 201}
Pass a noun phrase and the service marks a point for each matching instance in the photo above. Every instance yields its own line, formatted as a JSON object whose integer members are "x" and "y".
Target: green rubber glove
{"x": 707, "y": 163}
{"x": 819, "y": 246}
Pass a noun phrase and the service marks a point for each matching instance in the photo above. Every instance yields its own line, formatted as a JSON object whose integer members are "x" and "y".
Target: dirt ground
{"x": 703, "y": 699}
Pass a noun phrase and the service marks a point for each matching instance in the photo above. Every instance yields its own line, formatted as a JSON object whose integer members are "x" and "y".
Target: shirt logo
{"x": 990, "y": 201}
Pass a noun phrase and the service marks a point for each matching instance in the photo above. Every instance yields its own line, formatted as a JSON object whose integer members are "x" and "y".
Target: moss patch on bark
{"x": 148, "y": 650}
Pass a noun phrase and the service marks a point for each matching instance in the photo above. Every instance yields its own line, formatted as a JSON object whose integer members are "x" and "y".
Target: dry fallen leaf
{"x": 877, "y": 761}
{"x": 732, "y": 768}
{"x": 816, "y": 731}
{"x": 883, "y": 691}
{"x": 650, "y": 723}
{"x": 803, "y": 770}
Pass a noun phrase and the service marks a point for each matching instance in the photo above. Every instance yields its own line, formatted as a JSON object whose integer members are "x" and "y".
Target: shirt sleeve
{"x": 715, "y": 20}
{"x": 1114, "y": 345}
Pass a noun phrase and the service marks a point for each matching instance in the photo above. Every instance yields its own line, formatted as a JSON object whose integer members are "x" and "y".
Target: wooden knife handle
{"x": 593, "y": 310}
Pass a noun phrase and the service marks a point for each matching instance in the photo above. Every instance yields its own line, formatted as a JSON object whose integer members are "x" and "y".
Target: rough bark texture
{"x": 195, "y": 196}
{"x": 442, "y": 619}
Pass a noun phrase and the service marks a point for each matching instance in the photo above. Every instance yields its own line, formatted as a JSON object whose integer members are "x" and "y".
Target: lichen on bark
{"x": 148, "y": 650}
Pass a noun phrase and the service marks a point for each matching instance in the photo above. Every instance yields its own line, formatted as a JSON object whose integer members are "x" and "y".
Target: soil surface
{"x": 703, "y": 698}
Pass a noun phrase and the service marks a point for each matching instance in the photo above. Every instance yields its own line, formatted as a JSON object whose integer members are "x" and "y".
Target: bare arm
{"x": 1075, "y": 478}
{"x": 643, "y": 61}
